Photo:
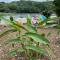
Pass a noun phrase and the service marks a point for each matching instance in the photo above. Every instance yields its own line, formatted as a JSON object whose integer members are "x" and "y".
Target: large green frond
{"x": 37, "y": 38}
{"x": 36, "y": 49}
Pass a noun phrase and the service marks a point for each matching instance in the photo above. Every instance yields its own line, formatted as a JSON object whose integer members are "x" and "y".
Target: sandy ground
{"x": 53, "y": 40}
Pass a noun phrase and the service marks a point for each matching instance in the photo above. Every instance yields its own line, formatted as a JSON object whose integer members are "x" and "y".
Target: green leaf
{"x": 28, "y": 21}
{"x": 37, "y": 38}
{"x": 16, "y": 26}
{"x": 36, "y": 49}
{"x": 13, "y": 24}
{"x": 12, "y": 53}
{"x": 19, "y": 27}
{"x": 14, "y": 41}
{"x": 6, "y": 32}
{"x": 31, "y": 29}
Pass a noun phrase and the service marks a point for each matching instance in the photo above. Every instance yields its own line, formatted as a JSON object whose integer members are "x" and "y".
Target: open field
{"x": 53, "y": 39}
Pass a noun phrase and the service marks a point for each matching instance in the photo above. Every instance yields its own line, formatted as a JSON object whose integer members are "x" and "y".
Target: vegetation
{"x": 32, "y": 46}
{"x": 29, "y": 41}
{"x": 25, "y": 7}
{"x": 57, "y": 9}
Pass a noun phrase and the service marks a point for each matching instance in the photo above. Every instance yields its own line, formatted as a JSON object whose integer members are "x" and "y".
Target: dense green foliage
{"x": 25, "y": 7}
{"x": 57, "y": 4}
{"x": 57, "y": 9}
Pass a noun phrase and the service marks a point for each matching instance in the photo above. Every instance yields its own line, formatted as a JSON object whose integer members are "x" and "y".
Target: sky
{"x": 18, "y": 0}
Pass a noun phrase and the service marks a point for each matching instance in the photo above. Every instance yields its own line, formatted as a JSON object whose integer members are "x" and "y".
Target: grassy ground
{"x": 53, "y": 39}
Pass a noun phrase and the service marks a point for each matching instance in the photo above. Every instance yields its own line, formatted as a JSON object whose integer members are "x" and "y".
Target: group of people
{"x": 34, "y": 20}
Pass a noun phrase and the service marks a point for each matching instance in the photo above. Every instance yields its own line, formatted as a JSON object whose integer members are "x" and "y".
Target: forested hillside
{"x": 26, "y": 7}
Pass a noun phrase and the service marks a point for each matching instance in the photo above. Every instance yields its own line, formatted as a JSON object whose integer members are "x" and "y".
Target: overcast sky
{"x": 18, "y": 0}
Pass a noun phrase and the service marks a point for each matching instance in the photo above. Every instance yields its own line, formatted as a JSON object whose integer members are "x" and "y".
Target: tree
{"x": 12, "y": 7}
{"x": 57, "y": 10}
{"x": 24, "y": 6}
{"x": 57, "y": 4}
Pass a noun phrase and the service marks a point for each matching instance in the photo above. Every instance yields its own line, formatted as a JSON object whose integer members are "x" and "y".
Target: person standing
{"x": 11, "y": 18}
